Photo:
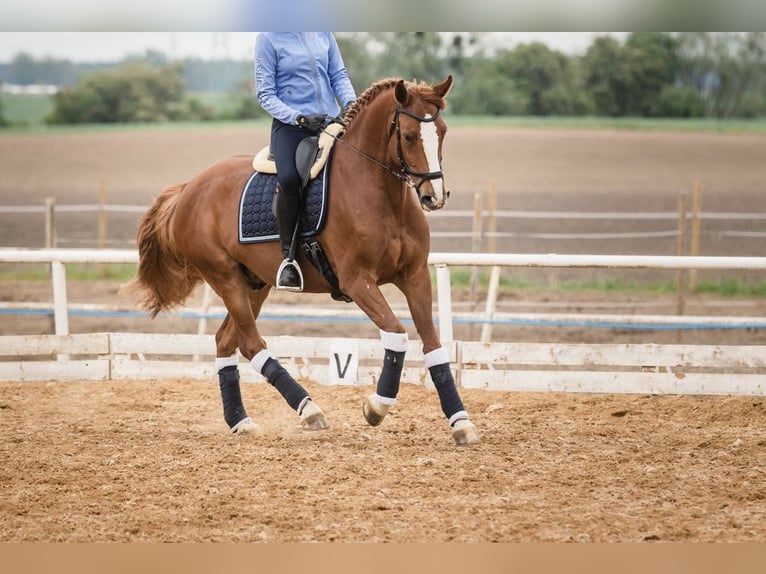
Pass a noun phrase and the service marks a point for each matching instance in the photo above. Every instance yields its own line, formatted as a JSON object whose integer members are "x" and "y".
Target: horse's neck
{"x": 369, "y": 138}
{"x": 369, "y": 166}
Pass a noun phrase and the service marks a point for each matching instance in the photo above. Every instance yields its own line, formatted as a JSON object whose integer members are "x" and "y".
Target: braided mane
{"x": 425, "y": 91}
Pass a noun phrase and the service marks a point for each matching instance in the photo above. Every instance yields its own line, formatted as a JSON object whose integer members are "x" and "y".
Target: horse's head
{"x": 419, "y": 131}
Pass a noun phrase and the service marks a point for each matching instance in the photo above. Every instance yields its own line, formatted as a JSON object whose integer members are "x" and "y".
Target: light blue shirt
{"x": 300, "y": 73}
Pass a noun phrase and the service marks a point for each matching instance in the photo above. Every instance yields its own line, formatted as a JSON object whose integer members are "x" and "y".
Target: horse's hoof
{"x": 464, "y": 432}
{"x": 374, "y": 411}
{"x": 312, "y": 417}
{"x": 246, "y": 427}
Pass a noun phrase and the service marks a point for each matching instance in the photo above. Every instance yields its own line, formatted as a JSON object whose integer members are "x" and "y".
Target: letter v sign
{"x": 342, "y": 371}
{"x": 344, "y": 361}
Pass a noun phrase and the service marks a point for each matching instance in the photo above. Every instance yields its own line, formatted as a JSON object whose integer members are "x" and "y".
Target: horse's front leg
{"x": 394, "y": 339}
{"x": 366, "y": 294}
{"x": 417, "y": 290}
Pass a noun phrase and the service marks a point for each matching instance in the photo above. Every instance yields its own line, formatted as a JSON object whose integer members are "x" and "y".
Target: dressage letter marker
{"x": 344, "y": 361}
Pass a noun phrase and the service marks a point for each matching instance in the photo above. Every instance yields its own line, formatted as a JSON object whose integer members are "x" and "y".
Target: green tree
{"x": 353, "y": 48}
{"x": 726, "y": 71}
{"x": 535, "y": 69}
{"x": 485, "y": 90}
{"x": 131, "y": 93}
{"x": 408, "y": 55}
{"x": 547, "y": 79}
{"x": 24, "y": 70}
{"x": 607, "y": 76}
{"x": 3, "y": 121}
{"x": 653, "y": 63}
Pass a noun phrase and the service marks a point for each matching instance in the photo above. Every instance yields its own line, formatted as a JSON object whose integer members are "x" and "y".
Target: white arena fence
{"x": 58, "y": 258}
{"x": 612, "y": 368}
{"x": 606, "y": 368}
{"x": 51, "y": 209}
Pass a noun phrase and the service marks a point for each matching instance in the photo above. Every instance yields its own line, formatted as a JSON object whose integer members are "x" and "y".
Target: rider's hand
{"x": 311, "y": 122}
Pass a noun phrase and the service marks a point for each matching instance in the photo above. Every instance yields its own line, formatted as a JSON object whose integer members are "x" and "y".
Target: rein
{"x": 406, "y": 173}
{"x": 401, "y": 175}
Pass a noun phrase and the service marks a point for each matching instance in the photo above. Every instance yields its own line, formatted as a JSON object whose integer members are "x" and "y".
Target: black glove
{"x": 311, "y": 122}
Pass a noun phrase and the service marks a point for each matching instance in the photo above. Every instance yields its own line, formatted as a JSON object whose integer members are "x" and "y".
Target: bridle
{"x": 405, "y": 168}
{"x": 405, "y": 173}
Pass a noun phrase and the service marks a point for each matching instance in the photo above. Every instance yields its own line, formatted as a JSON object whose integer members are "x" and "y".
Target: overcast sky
{"x": 113, "y": 46}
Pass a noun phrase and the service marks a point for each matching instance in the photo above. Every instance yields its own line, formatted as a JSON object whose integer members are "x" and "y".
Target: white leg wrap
{"x": 303, "y": 404}
{"x": 384, "y": 400}
{"x": 394, "y": 341}
{"x": 458, "y": 416}
{"x": 260, "y": 359}
{"x": 436, "y": 357}
{"x": 221, "y": 362}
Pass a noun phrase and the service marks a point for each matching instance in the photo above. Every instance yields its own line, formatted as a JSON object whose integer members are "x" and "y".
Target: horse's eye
{"x": 410, "y": 138}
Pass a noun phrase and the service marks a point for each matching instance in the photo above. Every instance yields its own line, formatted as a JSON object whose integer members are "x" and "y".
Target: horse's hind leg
{"x": 239, "y": 330}
{"x": 227, "y": 366}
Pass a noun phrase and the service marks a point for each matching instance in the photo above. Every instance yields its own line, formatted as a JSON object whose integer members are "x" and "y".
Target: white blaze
{"x": 431, "y": 149}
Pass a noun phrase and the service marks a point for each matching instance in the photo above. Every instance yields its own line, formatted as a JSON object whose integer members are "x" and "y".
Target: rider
{"x": 299, "y": 79}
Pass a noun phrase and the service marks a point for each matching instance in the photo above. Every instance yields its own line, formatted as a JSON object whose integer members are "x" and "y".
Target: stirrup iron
{"x": 294, "y": 264}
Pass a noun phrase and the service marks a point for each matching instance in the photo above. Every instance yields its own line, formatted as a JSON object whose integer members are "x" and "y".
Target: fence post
{"x": 444, "y": 298}
{"x": 681, "y": 251}
{"x": 61, "y": 319}
{"x": 491, "y": 233}
{"x": 476, "y": 235}
{"x": 102, "y": 223}
{"x": 50, "y": 241}
{"x": 489, "y": 310}
{"x": 696, "y": 225}
{"x": 207, "y": 298}
{"x": 50, "y": 222}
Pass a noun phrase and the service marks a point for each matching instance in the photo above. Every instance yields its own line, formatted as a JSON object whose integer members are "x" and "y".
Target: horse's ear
{"x": 401, "y": 93}
{"x": 443, "y": 88}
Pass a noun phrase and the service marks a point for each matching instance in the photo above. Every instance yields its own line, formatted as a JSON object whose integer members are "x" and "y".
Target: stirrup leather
{"x": 290, "y": 263}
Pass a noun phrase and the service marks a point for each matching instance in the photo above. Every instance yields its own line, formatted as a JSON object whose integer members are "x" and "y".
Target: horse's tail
{"x": 163, "y": 278}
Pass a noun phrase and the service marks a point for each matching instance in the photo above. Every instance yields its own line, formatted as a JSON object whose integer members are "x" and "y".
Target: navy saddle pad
{"x": 257, "y": 222}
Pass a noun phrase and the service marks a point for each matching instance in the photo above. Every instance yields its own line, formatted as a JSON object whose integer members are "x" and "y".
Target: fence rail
{"x": 491, "y": 233}
{"x": 614, "y": 368}
{"x": 58, "y": 258}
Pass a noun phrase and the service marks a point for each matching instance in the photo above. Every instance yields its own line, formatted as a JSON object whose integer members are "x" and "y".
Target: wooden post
{"x": 50, "y": 222}
{"x": 50, "y": 241}
{"x": 476, "y": 244}
{"x": 102, "y": 223}
{"x": 478, "y": 224}
{"x": 492, "y": 240}
{"x": 494, "y": 279}
{"x": 681, "y": 250}
{"x": 696, "y": 225}
{"x": 444, "y": 300}
{"x": 489, "y": 310}
{"x": 207, "y": 299}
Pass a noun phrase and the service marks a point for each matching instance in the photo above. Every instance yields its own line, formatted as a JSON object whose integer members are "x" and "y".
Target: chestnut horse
{"x": 385, "y": 171}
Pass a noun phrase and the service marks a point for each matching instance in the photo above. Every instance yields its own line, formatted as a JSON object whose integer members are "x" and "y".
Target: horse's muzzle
{"x": 430, "y": 202}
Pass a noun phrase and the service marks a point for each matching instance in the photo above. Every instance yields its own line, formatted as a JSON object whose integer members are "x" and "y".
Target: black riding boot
{"x": 289, "y": 276}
